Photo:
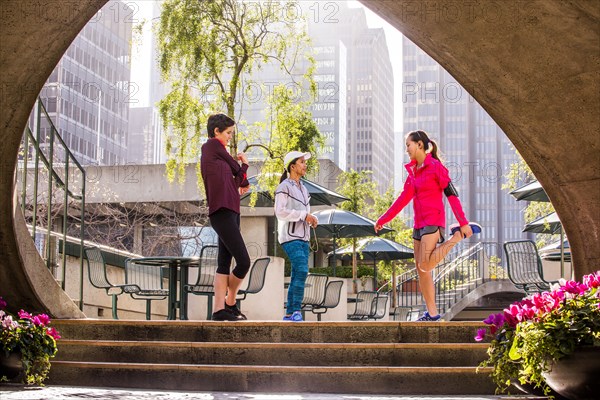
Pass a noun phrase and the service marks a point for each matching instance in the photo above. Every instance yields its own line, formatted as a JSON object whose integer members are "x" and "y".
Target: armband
{"x": 450, "y": 190}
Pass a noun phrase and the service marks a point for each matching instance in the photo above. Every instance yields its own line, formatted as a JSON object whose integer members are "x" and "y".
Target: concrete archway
{"x": 534, "y": 66}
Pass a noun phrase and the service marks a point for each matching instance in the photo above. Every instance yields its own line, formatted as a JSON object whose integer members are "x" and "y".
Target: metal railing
{"x": 463, "y": 270}
{"x": 40, "y": 208}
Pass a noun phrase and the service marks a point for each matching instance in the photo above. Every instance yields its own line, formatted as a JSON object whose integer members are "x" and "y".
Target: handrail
{"x": 452, "y": 278}
{"x": 32, "y": 147}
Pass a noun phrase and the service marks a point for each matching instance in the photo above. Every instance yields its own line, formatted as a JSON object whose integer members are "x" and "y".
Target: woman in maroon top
{"x": 224, "y": 181}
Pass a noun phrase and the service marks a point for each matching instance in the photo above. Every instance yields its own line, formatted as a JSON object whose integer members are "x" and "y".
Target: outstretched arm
{"x": 408, "y": 192}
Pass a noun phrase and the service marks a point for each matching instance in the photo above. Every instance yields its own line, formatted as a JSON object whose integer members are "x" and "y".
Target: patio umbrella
{"x": 377, "y": 249}
{"x": 548, "y": 224}
{"x": 319, "y": 195}
{"x": 531, "y": 192}
{"x": 336, "y": 223}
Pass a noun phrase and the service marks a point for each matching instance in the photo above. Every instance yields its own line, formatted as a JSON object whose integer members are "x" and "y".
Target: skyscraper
{"x": 88, "y": 93}
{"x": 475, "y": 149}
{"x": 146, "y": 140}
{"x": 369, "y": 90}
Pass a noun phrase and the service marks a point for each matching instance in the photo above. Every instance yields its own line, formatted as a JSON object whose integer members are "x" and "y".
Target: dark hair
{"x": 284, "y": 176}
{"x": 218, "y": 121}
{"x": 421, "y": 136}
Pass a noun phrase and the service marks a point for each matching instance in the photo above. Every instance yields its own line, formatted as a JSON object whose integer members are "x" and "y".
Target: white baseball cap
{"x": 292, "y": 155}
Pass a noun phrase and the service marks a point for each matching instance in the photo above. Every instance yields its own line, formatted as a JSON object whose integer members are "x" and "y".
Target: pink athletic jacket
{"x": 426, "y": 186}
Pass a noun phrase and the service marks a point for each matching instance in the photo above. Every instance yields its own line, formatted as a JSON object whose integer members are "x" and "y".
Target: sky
{"x": 141, "y": 53}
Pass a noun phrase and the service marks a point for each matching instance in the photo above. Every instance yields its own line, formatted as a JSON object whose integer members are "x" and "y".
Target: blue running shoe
{"x": 295, "y": 317}
{"x": 427, "y": 317}
{"x": 475, "y": 227}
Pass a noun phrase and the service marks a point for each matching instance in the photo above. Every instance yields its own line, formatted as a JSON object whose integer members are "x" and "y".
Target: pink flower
{"x": 7, "y": 322}
{"x": 44, "y": 319}
{"x": 574, "y": 287}
{"x": 41, "y": 320}
{"x": 510, "y": 319}
{"x": 480, "y": 334}
{"x": 592, "y": 280}
{"x": 24, "y": 315}
{"x": 54, "y": 333}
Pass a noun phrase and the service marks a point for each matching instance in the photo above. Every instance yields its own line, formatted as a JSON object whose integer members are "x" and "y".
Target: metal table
{"x": 174, "y": 264}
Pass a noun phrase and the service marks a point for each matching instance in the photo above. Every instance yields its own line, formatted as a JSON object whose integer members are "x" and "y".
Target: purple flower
{"x": 2, "y": 304}
{"x": 480, "y": 334}
{"x": 489, "y": 320}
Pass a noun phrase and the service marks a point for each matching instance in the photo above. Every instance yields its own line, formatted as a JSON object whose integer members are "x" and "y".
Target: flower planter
{"x": 576, "y": 376}
{"x": 10, "y": 366}
{"x": 528, "y": 388}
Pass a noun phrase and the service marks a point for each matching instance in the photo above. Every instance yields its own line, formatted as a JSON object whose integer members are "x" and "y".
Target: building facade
{"x": 88, "y": 93}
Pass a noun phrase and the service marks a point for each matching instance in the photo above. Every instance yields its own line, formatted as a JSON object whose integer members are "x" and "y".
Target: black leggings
{"x": 231, "y": 244}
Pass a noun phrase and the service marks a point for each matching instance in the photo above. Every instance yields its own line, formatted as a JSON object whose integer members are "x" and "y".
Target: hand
{"x": 244, "y": 190}
{"x": 466, "y": 231}
{"x": 242, "y": 157}
{"x": 312, "y": 220}
{"x": 378, "y": 227}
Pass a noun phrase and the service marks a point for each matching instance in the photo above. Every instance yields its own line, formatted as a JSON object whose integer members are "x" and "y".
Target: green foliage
{"x": 31, "y": 336}
{"x": 401, "y": 233}
{"x": 359, "y": 188}
{"x": 206, "y": 50}
{"x": 345, "y": 271}
{"x": 292, "y": 129}
{"x": 496, "y": 271}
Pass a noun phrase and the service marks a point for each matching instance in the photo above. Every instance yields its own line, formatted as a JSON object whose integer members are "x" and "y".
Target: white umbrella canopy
{"x": 532, "y": 191}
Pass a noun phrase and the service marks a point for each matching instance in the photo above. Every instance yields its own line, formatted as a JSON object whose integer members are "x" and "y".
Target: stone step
{"x": 270, "y": 331}
{"x": 242, "y": 378}
{"x": 284, "y": 354}
{"x": 323, "y": 357}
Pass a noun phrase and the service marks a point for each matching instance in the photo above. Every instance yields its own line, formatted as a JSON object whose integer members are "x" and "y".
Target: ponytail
{"x": 284, "y": 176}
{"x": 434, "y": 150}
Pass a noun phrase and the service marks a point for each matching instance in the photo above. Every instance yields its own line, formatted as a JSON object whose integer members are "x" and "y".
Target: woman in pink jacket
{"x": 428, "y": 180}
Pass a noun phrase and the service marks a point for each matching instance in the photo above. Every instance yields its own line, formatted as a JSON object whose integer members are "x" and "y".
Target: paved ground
{"x": 78, "y": 393}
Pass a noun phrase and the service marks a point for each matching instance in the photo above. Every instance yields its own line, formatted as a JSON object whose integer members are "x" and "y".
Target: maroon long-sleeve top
{"x": 222, "y": 177}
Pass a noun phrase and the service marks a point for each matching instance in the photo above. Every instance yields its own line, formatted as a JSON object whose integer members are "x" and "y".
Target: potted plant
{"x": 531, "y": 337}
{"x": 26, "y": 342}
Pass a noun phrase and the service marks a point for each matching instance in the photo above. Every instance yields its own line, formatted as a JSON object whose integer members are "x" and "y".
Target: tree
{"x": 358, "y": 187}
{"x": 292, "y": 129}
{"x": 401, "y": 234}
{"x": 207, "y": 49}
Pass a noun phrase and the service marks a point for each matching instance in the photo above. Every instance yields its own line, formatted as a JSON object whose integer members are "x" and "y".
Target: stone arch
{"x": 533, "y": 66}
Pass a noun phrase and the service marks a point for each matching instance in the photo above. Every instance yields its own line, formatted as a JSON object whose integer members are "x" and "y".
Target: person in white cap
{"x": 292, "y": 209}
